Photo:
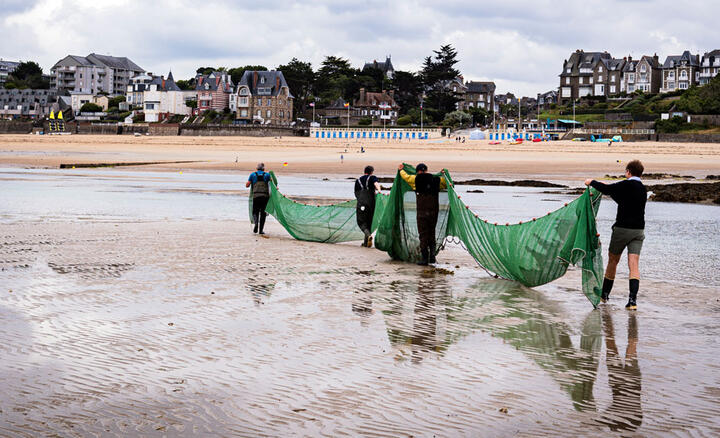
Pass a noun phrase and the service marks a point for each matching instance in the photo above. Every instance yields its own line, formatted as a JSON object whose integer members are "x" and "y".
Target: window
{"x": 243, "y": 113}
{"x": 567, "y": 81}
{"x": 631, "y": 77}
{"x": 600, "y": 69}
{"x": 671, "y": 75}
{"x": 683, "y": 85}
{"x": 612, "y": 89}
{"x": 243, "y": 101}
{"x": 268, "y": 113}
{"x": 244, "y": 91}
{"x": 262, "y": 79}
{"x": 683, "y": 74}
{"x": 282, "y": 114}
{"x": 454, "y": 89}
{"x": 149, "y": 106}
{"x": 568, "y": 70}
{"x": 600, "y": 78}
{"x": 671, "y": 85}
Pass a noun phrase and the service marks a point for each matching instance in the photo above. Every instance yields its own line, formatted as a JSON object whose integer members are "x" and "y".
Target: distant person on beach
{"x": 427, "y": 188}
{"x": 260, "y": 182}
{"x": 365, "y": 188}
{"x": 628, "y": 230}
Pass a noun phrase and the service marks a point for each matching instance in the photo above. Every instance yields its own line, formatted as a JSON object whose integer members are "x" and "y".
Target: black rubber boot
{"x": 606, "y": 288}
{"x": 255, "y": 220}
{"x": 263, "y": 215}
{"x": 424, "y": 257}
{"x": 365, "y": 241}
{"x": 431, "y": 258}
{"x": 632, "y": 299}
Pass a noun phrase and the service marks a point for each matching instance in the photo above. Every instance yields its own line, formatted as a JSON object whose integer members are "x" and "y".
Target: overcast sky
{"x": 518, "y": 44}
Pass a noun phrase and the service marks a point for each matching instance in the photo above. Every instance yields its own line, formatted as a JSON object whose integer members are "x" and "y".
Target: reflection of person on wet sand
{"x": 625, "y": 410}
{"x": 258, "y": 289}
{"x": 362, "y": 303}
{"x": 424, "y": 331}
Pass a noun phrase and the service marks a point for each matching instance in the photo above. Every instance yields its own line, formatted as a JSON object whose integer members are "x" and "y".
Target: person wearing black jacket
{"x": 629, "y": 228}
{"x": 365, "y": 188}
{"x": 427, "y": 188}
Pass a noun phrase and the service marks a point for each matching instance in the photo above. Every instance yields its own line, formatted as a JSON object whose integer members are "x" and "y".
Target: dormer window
{"x": 262, "y": 80}
{"x": 207, "y": 86}
{"x": 244, "y": 91}
{"x": 643, "y": 68}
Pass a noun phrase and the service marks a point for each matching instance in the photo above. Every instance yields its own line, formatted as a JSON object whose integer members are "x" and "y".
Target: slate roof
{"x": 580, "y": 59}
{"x": 270, "y": 78}
{"x": 165, "y": 84}
{"x": 376, "y": 99}
{"x": 214, "y": 80}
{"x": 672, "y": 61}
{"x": 480, "y": 87}
{"x": 382, "y": 66}
{"x": 121, "y": 63}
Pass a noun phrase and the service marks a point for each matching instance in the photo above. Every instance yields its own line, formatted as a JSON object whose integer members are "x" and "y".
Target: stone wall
{"x": 688, "y": 138}
{"x": 13, "y": 127}
{"x": 164, "y": 129}
{"x": 248, "y": 131}
{"x": 132, "y": 129}
{"x": 97, "y": 129}
{"x": 713, "y": 119}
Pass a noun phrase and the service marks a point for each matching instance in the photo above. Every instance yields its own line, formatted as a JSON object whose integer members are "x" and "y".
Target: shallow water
{"x": 681, "y": 242}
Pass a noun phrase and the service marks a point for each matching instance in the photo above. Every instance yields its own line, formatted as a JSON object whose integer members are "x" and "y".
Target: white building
{"x": 162, "y": 98}
{"x": 136, "y": 88}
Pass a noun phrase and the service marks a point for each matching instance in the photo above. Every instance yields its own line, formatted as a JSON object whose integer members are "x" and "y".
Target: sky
{"x": 518, "y": 44}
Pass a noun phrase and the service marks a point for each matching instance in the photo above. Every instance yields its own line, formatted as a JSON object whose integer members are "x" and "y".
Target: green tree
{"x": 205, "y": 70}
{"x": 457, "y": 118}
{"x": 702, "y": 100}
{"x": 436, "y": 74}
{"x": 299, "y": 77}
{"x": 27, "y": 75}
{"x": 90, "y": 107}
{"x": 336, "y": 78}
{"x": 237, "y": 73}
{"x": 114, "y": 102}
{"x": 191, "y": 103}
{"x": 185, "y": 85}
{"x": 408, "y": 91}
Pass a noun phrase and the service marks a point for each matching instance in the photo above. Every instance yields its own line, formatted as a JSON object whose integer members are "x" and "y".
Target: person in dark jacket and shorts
{"x": 427, "y": 188}
{"x": 628, "y": 230}
{"x": 365, "y": 188}
{"x": 260, "y": 182}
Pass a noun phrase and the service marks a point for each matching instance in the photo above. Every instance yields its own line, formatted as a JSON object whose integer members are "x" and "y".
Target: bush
{"x": 456, "y": 118}
{"x": 90, "y": 107}
{"x": 404, "y": 120}
{"x": 677, "y": 124}
{"x": 365, "y": 121}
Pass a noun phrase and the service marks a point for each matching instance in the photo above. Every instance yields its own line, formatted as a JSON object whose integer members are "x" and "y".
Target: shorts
{"x": 626, "y": 237}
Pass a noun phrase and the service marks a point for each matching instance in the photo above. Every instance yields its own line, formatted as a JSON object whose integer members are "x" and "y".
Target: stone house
{"x": 263, "y": 97}
{"x": 680, "y": 72}
{"x": 709, "y": 66}
{"x": 607, "y": 76}
{"x": 648, "y": 75}
{"x": 578, "y": 74}
{"x": 546, "y": 99}
{"x": 381, "y": 106}
{"x": 213, "y": 91}
{"x": 479, "y": 95}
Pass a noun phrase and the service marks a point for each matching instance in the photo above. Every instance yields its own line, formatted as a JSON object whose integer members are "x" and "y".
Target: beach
{"x": 136, "y": 300}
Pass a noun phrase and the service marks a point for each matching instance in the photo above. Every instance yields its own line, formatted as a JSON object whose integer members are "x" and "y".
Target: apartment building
{"x": 6, "y": 68}
{"x": 93, "y": 74}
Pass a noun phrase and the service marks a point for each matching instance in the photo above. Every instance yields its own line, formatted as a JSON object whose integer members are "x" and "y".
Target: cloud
{"x": 518, "y": 44}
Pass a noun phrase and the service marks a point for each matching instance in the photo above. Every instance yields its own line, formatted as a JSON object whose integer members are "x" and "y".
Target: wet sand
{"x": 201, "y": 328}
{"x": 561, "y": 160}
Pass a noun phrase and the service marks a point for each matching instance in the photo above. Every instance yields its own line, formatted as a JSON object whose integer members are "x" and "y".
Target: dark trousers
{"x": 259, "y": 205}
{"x": 426, "y": 222}
{"x": 365, "y": 218}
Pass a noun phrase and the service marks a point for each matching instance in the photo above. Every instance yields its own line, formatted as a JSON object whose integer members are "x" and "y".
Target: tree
{"x": 114, "y": 102}
{"x": 237, "y": 73}
{"x": 185, "y": 85}
{"x": 205, "y": 70}
{"x": 408, "y": 89}
{"x": 702, "y": 100}
{"x": 27, "y": 75}
{"x": 336, "y": 78}
{"x": 436, "y": 75}
{"x": 191, "y": 103}
{"x": 299, "y": 77}
{"x": 456, "y": 118}
{"x": 90, "y": 107}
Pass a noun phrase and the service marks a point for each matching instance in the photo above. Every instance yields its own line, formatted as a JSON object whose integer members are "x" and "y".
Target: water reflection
{"x": 259, "y": 290}
{"x": 625, "y": 410}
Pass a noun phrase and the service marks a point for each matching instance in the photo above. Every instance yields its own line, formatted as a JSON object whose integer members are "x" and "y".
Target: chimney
{"x": 277, "y": 83}
{"x": 255, "y": 76}
{"x": 629, "y": 58}
{"x": 200, "y": 80}
{"x": 362, "y": 96}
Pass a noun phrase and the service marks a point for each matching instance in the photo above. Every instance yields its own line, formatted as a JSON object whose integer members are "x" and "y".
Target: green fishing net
{"x": 532, "y": 253}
